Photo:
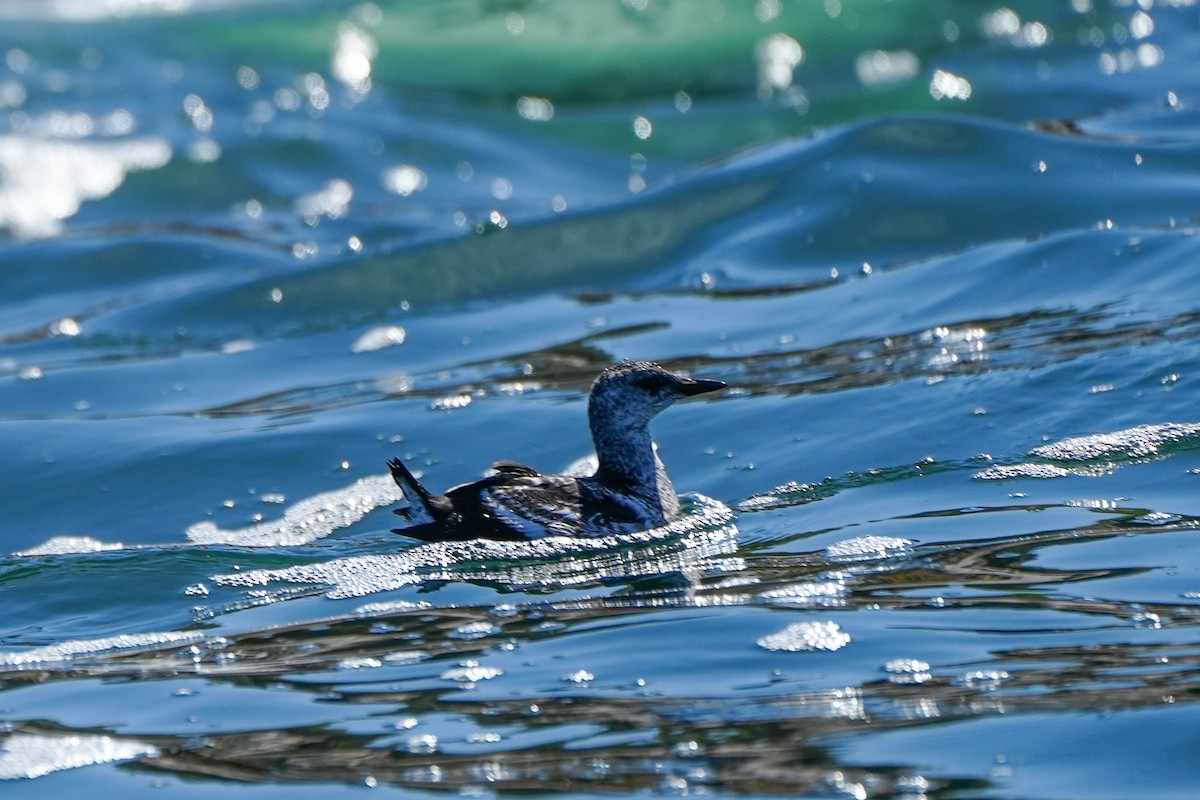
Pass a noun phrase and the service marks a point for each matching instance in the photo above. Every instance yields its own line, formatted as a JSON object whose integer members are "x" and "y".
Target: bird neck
{"x": 627, "y": 459}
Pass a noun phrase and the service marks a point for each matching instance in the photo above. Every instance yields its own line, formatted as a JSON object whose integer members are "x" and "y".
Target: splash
{"x": 310, "y": 519}
{"x": 701, "y": 541}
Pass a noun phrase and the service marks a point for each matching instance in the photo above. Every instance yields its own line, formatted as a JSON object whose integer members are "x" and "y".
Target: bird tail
{"x": 420, "y": 510}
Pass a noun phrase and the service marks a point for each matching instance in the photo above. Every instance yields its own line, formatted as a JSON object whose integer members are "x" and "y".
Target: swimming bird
{"x": 630, "y": 490}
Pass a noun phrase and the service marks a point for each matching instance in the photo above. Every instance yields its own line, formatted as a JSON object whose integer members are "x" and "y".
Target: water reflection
{"x": 767, "y": 743}
{"x": 402, "y": 662}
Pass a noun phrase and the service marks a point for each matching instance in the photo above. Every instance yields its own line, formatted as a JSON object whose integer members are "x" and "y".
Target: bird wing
{"x": 514, "y": 469}
{"x": 534, "y": 505}
{"x": 516, "y": 503}
{"x": 555, "y": 505}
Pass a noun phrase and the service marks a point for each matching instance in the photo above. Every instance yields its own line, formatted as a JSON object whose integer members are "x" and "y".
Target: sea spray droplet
{"x": 806, "y": 636}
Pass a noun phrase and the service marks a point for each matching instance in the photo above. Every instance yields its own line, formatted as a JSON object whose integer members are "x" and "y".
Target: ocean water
{"x": 940, "y": 533}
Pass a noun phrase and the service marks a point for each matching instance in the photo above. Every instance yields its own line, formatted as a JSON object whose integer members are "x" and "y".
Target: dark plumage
{"x": 630, "y": 490}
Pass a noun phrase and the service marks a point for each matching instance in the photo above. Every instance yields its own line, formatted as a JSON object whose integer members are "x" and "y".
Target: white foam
{"x": 379, "y": 338}
{"x": 65, "y": 651}
{"x": 309, "y": 519}
{"x": 1096, "y": 455}
{"x": 44, "y": 181}
{"x": 390, "y": 607}
{"x": 788, "y": 494}
{"x": 905, "y": 666}
{"x": 1009, "y": 471}
{"x": 66, "y": 545}
{"x": 868, "y": 548}
{"x": 907, "y": 671}
{"x": 700, "y": 541}
{"x": 825, "y": 594}
{"x": 1140, "y": 442}
{"x": 806, "y": 636}
{"x": 471, "y": 672}
{"x": 32, "y": 755}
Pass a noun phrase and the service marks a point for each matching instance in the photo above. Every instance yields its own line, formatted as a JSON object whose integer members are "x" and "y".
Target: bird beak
{"x": 700, "y": 386}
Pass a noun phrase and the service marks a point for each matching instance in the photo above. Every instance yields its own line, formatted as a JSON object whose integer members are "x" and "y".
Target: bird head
{"x": 635, "y": 391}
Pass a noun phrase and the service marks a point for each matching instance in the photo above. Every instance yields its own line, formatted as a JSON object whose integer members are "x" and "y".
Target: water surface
{"x": 939, "y": 531}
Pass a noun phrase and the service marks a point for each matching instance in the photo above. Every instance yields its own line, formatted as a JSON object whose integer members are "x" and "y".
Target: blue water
{"x": 939, "y": 532}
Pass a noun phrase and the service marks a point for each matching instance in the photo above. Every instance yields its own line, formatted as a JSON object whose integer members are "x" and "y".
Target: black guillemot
{"x": 629, "y": 491}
